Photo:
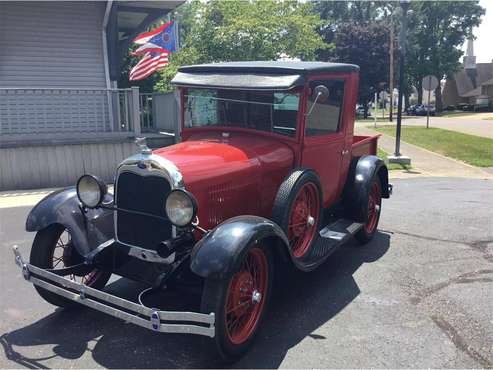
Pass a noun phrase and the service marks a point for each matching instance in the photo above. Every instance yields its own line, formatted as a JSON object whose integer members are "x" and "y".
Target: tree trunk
{"x": 365, "y": 110}
{"x": 406, "y": 101}
{"x": 420, "y": 91}
{"x": 438, "y": 99}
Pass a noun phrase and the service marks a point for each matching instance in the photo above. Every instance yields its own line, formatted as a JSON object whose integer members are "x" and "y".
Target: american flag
{"x": 150, "y": 63}
{"x": 156, "y": 47}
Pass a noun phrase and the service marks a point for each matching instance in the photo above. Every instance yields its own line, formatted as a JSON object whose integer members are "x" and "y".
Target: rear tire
{"x": 44, "y": 255}
{"x": 239, "y": 302}
{"x": 373, "y": 210}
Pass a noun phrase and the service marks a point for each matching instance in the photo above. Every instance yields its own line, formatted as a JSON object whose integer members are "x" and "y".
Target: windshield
{"x": 259, "y": 110}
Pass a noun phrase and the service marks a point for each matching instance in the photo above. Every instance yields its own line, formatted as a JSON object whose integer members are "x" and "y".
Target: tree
{"x": 366, "y": 45}
{"x": 436, "y": 31}
{"x": 334, "y": 13}
{"x": 243, "y": 30}
{"x": 188, "y": 55}
{"x": 255, "y": 30}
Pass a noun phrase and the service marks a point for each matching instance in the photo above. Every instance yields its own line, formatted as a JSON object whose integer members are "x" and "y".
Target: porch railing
{"x": 65, "y": 113}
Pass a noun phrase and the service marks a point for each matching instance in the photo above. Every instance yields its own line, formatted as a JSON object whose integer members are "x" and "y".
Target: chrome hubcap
{"x": 310, "y": 221}
{"x": 256, "y": 296}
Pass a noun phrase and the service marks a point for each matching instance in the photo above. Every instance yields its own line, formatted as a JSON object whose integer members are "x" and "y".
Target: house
{"x": 472, "y": 85}
{"x": 61, "y": 111}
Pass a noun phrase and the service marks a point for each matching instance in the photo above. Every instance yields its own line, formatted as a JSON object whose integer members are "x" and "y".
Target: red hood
{"x": 207, "y": 156}
{"x": 231, "y": 176}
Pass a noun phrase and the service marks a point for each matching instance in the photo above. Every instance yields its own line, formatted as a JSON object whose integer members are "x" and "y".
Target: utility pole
{"x": 397, "y": 157}
{"x": 391, "y": 72}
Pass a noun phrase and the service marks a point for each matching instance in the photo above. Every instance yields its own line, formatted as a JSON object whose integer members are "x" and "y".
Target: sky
{"x": 483, "y": 46}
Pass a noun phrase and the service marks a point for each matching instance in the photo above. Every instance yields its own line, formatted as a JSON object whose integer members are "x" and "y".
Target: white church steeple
{"x": 470, "y": 58}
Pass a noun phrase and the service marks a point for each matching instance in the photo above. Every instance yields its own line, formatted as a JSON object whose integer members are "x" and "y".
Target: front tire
{"x": 53, "y": 249}
{"x": 297, "y": 210}
{"x": 239, "y": 302}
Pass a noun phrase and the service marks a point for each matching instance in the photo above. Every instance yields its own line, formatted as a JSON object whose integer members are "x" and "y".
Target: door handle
{"x": 344, "y": 151}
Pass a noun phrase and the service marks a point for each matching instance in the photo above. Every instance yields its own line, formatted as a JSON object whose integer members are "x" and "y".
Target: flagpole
{"x": 177, "y": 30}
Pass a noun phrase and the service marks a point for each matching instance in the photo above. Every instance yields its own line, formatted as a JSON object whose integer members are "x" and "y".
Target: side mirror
{"x": 320, "y": 94}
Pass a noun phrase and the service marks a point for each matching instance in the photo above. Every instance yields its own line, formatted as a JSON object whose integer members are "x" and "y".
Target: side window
{"x": 202, "y": 108}
{"x": 285, "y": 112}
{"x": 325, "y": 118}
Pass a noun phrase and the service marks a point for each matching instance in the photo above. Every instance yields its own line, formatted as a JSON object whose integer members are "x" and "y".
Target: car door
{"x": 324, "y": 142}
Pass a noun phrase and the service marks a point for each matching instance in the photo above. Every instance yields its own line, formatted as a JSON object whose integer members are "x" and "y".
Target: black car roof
{"x": 261, "y": 75}
{"x": 271, "y": 67}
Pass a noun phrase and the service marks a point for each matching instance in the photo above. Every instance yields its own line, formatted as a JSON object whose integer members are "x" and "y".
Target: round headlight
{"x": 181, "y": 208}
{"x": 90, "y": 190}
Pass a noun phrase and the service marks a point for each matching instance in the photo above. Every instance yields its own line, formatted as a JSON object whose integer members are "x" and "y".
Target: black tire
{"x": 221, "y": 349}
{"x": 286, "y": 196}
{"x": 42, "y": 256}
{"x": 366, "y": 233}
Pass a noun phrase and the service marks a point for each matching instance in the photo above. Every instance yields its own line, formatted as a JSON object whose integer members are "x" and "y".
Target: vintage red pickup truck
{"x": 267, "y": 174}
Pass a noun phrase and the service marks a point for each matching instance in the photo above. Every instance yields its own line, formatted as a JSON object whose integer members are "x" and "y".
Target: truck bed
{"x": 364, "y": 145}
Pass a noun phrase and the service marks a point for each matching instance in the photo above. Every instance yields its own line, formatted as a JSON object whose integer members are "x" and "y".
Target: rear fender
{"x": 361, "y": 174}
{"x": 88, "y": 229}
{"x": 220, "y": 252}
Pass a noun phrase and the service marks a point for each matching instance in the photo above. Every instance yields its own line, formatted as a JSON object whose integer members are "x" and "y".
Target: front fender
{"x": 220, "y": 252}
{"x": 363, "y": 170}
{"x": 87, "y": 229}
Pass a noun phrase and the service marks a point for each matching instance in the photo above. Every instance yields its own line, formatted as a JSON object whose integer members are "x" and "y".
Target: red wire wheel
{"x": 374, "y": 204}
{"x": 53, "y": 249}
{"x": 303, "y": 219}
{"x": 245, "y": 297}
{"x": 64, "y": 255}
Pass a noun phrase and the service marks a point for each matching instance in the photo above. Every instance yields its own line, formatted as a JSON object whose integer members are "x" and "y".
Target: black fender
{"x": 360, "y": 176}
{"x": 220, "y": 252}
{"x": 88, "y": 228}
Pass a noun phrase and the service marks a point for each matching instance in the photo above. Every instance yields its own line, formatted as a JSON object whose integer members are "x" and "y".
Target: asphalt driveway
{"x": 420, "y": 295}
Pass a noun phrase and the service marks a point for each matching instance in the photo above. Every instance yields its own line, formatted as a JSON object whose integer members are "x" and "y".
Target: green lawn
{"x": 391, "y": 166}
{"x": 453, "y": 114}
{"x": 471, "y": 149}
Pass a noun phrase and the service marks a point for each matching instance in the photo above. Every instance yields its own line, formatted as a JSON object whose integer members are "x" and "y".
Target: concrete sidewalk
{"x": 28, "y": 198}
{"x": 425, "y": 162}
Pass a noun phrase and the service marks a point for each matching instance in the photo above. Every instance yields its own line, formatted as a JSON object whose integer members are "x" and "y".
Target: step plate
{"x": 329, "y": 238}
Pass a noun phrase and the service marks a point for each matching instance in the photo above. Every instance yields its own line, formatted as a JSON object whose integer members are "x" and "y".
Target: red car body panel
{"x": 241, "y": 174}
{"x": 231, "y": 176}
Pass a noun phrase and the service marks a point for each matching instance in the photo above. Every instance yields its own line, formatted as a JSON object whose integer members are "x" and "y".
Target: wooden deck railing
{"x": 65, "y": 114}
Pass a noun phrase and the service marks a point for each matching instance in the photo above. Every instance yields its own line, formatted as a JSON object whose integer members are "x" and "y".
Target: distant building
{"x": 472, "y": 85}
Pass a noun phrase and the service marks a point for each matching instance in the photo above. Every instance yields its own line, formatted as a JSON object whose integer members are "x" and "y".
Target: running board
{"x": 340, "y": 229}
{"x": 329, "y": 239}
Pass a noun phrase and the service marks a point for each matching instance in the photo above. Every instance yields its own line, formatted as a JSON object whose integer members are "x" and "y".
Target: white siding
{"x": 60, "y": 165}
{"x": 51, "y": 44}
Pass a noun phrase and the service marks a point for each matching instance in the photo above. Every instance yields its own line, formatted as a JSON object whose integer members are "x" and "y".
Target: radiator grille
{"x": 142, "y": 194}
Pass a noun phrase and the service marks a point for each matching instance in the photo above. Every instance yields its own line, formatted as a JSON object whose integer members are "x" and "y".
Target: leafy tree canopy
{"x": 366, "y": 45}
{"x": 437, "y": 29}
{"x": 244, "y": 30}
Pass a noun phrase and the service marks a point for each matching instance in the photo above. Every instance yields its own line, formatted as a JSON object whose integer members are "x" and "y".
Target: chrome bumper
{"x": 155, "y": 320}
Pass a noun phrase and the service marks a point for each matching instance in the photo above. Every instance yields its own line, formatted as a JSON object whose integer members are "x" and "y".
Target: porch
{"x": 49, "y": 137}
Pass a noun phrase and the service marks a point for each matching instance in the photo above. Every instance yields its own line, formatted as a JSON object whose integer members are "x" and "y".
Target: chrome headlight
{"x": 91, "y": 191}
{"x": 181, "y": 207}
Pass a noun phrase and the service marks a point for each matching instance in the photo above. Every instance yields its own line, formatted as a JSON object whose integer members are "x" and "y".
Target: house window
{"x": 325, "y": 117}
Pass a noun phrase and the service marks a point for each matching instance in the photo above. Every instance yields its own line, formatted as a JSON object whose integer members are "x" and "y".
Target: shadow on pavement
{"x": 301, "y": 305}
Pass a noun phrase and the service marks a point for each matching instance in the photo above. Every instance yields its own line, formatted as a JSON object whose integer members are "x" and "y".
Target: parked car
{"x": 465, "y": 107}
{"x": 268, "y": 175}
{"x": 360, "y": 111}
{"x": 421, "y": 110}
